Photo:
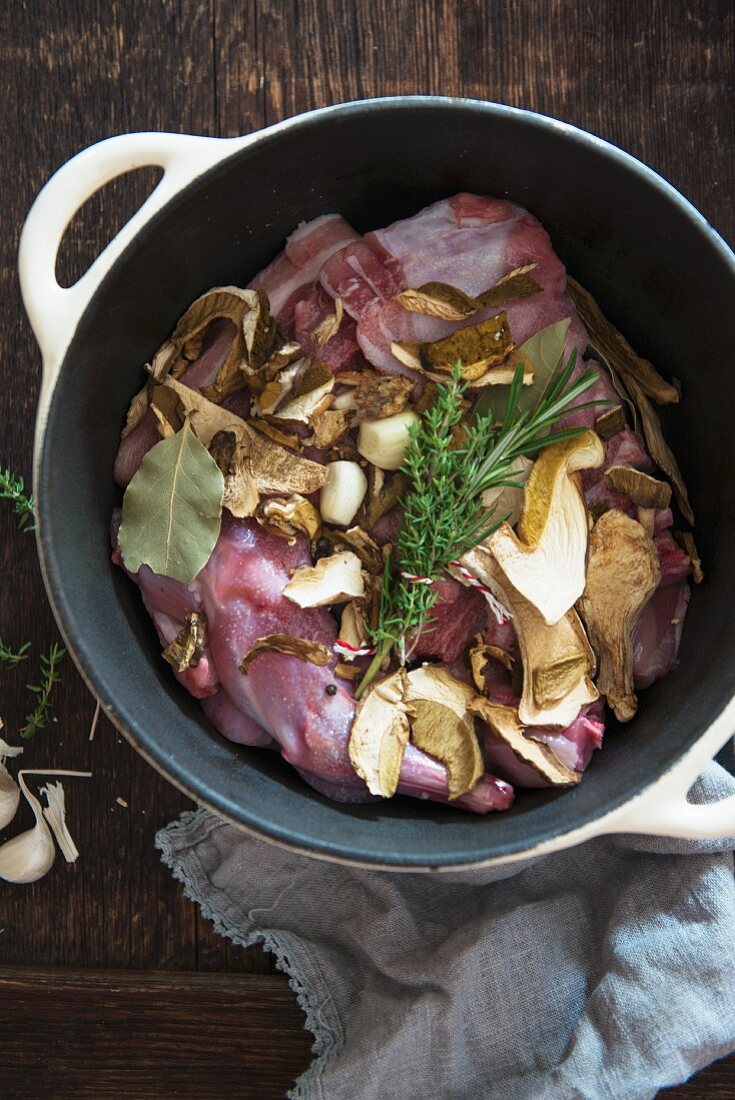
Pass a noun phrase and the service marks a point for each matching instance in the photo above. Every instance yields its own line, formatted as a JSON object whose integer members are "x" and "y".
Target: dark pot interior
{"x": 660, "y": 273}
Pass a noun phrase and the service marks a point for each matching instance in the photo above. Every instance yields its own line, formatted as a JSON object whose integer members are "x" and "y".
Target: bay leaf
{"x": 544, "y": 350}
{"x": 172, "y": 509}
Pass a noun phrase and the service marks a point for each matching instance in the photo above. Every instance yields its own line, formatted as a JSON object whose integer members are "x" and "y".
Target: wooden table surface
{"x": 112, "y": 984}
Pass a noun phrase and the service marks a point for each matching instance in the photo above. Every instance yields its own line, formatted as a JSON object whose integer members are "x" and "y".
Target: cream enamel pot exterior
{"x": 220, "y": 211}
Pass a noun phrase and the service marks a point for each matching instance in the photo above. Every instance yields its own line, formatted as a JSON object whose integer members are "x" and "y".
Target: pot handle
{"x": 54, "y": 311}
{"x": 663, "y": 810}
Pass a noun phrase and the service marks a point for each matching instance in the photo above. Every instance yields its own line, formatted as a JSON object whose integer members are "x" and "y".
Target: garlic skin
{"x": 385, "y": 442}
{"x": 9, "y": 789}
{"x": 342, "y": 493}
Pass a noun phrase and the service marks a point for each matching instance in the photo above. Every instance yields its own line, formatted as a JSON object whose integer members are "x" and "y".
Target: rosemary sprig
{"x": 8, "y": 657}
{"x": 38, "y": 719}
{"x": 450, "y": 465}
{"x": 13, "y": 488}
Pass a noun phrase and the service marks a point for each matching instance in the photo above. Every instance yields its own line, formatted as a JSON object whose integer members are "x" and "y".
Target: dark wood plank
{"x": 110, "y": 1034}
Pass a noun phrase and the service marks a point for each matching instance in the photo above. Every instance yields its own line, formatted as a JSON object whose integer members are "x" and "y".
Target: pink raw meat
{"x": 675, "y": 563}
{"x": 342, "y": 351}
{"x": 295, "y": 270}
{"x": 357, "y": 274}
{"x": 657, "y": 634}
{"x": 573, "y": 746}
{"x": 455, "y": 618}
{"x": 233, "y": 724}
{"x": 625, "y": 448}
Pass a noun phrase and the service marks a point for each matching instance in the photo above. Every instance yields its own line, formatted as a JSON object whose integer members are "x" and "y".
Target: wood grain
{"x": 656, "y": 78}
{"x": 109, "y": 1034}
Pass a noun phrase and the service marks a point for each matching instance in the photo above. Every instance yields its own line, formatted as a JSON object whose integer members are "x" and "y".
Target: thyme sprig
{"x": 10, "y": 658}
{"x": 450, "y": 465}
{"x": 13, "y": 488}
{"x": 38, "y": 719}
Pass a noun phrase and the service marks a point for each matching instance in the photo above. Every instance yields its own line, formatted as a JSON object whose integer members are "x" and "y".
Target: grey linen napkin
{"x": 607, "y": 971}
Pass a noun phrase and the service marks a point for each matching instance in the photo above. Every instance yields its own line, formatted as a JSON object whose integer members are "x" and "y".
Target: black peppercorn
{"x": 331, "y": 689}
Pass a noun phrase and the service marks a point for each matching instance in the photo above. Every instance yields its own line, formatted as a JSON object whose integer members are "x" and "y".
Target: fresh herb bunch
{"x": 38, "y": 719}
{"x": 8, "y": 657}
{"x": 450, "y": 465}
{"x": 13, "y": 488}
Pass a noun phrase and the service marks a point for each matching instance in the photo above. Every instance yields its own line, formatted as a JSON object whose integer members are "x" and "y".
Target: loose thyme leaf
{"x": 39, "y": 717}
{"x": 8, "y": 657}
{"x": 13, "y": 488}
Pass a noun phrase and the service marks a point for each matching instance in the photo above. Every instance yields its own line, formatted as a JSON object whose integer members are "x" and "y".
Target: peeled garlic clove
{"x": 342, "y": 492}
{"x": 28, "y": 857}
{"x": 9, "y": 789}
{"x": 385, "y": 442}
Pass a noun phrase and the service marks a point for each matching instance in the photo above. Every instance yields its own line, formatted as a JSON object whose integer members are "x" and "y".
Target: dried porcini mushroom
{"x": 516, "y": 284}
{"x": 478, "y": 347}
{"x": 379, "y": 734}
{"x": 377, "y": 398}
{"x": 555, "y": 658}
{"x": 610, "y": 422}
{"x": 506, "y": 501}
{"x": 618, "y": 351}
{"x": 167, "y": 409}
{"x": 173, "y": 357}
{"x": 233, "y": 458}
{"x": 329, "y": 326}
{"x": 346, "y": 672}
{"x": 686, "y": 541}
{"x": 206, "y": 418}
{"x": 506, "y": 726}
{"x": 643, "y": 383}
{"x": 545, "y": 562}
{"x": 383, "y": 495}
{"x": 289, "y": 517}
{"x": 360, "y": 542}
{"x": 622, "y": 574}
{"x": 443, "y": 727}
{"x": 137, "y": 410}
{"x": 441, "y": 300}
{"x": 335, "y": 579}
{"x": 309, "y": 392}
{"x": 277, "y": 470}
{"x": 185, "y": 651}
{"x": 447, "y": 302}
{"x": 352, "y": 625}
{"x": 263, "y": 425}
{"x": 303, "y": 648}
{"x": 644, "y": 490}
{"x": 329, "y": 427}
{"x": 480, "y": 654}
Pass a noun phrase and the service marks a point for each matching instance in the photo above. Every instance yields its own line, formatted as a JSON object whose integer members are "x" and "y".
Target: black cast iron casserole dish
{"x": 660, "y": 272}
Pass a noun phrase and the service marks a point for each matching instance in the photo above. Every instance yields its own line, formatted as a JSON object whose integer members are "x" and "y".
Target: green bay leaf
{"x": 172, "y": 509}
{"x": 544, "y": 350}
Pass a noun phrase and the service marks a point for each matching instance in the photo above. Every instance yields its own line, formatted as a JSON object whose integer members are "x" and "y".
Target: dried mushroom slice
{"x": 309, "y": 395}
{"x": 233, "y": 458}
{"x": 332, "y": 580}
{"x": 137, "y": 410}
{"x": 329, "y": 327}
{"x": 377, "y": 398}
{"x": 478, "y": 347}
{"x": 480, "y": 654}
{"x": 329, "y": 427}
{"x": 185, "y": 651}
{"x": 545, "y": 562}
{"x": 686, "y": 541}
{"x": 622, "y": 575}
{"x": 360, "y": 542}
{"x": 303, "y": 648}
{"x": 379, "y": 734}
{"x": 518, "y": 283}
{"x": 610, "y": 422}
{"x": 173, "y": 357}
{"x": 205, "y": 417}
{"x": 644, "y": 490}
{"x": 289, "y": 517}
{"x": 441, "y": 300}
{"x": 506, "y": 726}
{"x": 277, "y": 470}
{"x": 443, "y": 727}
{"x": 558, "y": 663}
{"x": 352, "y": 627}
